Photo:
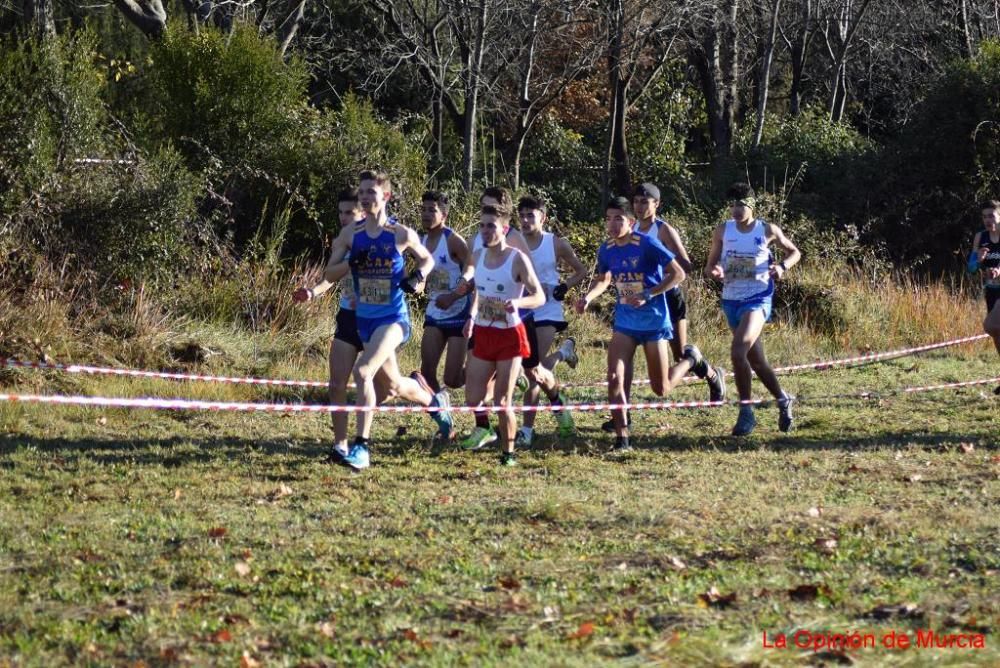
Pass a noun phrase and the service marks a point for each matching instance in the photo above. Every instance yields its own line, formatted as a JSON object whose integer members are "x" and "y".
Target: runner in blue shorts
{"x": 741, "y": 260}
{"x": 377, "y": 267}
{"x": 643, "y": 271}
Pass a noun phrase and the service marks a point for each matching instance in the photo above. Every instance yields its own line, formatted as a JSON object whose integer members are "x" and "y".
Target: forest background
{"x": 164, "y": 160}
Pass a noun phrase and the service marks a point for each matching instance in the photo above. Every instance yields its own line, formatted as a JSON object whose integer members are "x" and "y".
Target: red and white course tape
{"x": 168, "y": 375}
{"x": 194, "y": 405}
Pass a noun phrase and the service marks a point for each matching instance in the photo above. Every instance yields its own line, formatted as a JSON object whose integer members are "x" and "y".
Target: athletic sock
{"x": 553, "y": 396}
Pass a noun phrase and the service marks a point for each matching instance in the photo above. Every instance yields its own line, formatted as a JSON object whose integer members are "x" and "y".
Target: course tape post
{"x": 168, "y": 375}
{"x": 195, "y": 405}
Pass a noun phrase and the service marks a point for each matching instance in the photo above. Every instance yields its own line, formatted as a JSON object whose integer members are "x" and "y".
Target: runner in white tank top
{"x": 447, "y": 303}
{"x": 505, "y": 283}
{"x": 740, "y": 259}
{"x": 548, "y": 253}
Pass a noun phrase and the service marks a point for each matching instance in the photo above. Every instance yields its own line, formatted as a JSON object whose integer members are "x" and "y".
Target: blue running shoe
{"x": 357, "y": 458}
{"x": 442, "y": 417}
{"x": 745, "y": 422}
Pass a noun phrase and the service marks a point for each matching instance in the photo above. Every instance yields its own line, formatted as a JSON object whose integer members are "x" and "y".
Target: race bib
{"x": 628, "y": 288}
{"x": 741, "y": 268}
{"x": 374, "y": 291}
{"x": 438, "y": 281}
{"x": 492, "y": 309}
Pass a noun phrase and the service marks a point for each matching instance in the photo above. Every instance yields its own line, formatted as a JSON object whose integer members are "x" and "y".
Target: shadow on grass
{"x": 182, "y": 450}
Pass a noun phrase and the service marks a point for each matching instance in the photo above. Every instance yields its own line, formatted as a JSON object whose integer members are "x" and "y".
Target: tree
{"x": 713, "y": 50}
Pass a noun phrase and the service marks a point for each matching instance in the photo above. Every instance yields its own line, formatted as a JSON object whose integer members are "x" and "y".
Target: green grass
{"x": 131, "y": 537}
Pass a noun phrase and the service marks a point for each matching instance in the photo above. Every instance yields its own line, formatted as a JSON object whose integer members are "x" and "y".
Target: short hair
{"x": 989, "y": 204}
{"x": 501, "y": 195}
{"x": 501, "y": 210}
{"x": 740, "y": 190}
{"x": 621, "y": 203}
{"x": 381, "y": 178}
{"x": 532, "y": 202}
{"x": 348, "y": 195}
{"x": 438, "y": 197}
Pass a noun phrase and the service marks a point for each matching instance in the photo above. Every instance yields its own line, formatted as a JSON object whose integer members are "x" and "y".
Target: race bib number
{"x": 741, "y": 269}
{"x": 374, "y": 291}
{"x": 627, "y": 289}
{"x": 492, "y": 309}
{"x": 438, "y": 281}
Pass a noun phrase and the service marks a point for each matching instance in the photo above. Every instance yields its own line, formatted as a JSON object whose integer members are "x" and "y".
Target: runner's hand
{"x": 983, "y": 252}
{"x": 463, "y": 287}
{"x": 717, "y": 272}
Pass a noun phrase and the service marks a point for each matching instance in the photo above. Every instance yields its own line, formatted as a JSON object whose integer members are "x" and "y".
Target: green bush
{"x": 558, "y": 163}
{"x": 50, "y": 109}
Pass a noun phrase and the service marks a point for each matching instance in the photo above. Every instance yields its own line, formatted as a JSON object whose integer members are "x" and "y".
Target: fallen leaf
{"x": 168, "y": 654}
{"x": 967, "y": 448}
{"x": 898, "y": 611}
{"x": 326, "y": 629}
{"x": 551, "y": 613}
{"x": 445, "y": 499}
{"x": 247, "y": 661}
{"x": 585, "y": 630}
{"x": 453, "y": 633}
{"x": 807, "y": 592}
{"x": 222, "y": 635}
{"x": 102, "y": 420}
{"x": 712, "y": 598}
{"x": 629, "y": 615}
{"x": 242, "y": 568}
{"x": 510, "y": 583}
{"x": 676, "y": 563}
{"x": 916, "y": 477}
{"x": 398, "y": 582}
{"x": 217, "y": 532}
{"x": 177, "y": 494}
{"x": 815, "y": 511}
{"x": 825, "y": 545}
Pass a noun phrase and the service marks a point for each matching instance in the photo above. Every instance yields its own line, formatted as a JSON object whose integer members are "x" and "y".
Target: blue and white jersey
{"x": 746, "y": 262}
{"x": 636, "y": 266}
{"x": 992, "y": 259}
{"x": 378, "y": 275}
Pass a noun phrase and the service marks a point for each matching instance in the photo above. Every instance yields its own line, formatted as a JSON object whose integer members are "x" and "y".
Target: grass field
{"x": 153, "y": 538}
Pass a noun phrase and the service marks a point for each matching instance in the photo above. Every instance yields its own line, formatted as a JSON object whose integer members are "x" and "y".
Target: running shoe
{"x": 745, "y": 422}
{"x": 717, "y": 385}
{"x": 523, "y": 438}
{"x": 479, "y": 438}
{"x": 508, "y": 459}
{"x": 622, "y": 447}
{"x": 357, "y": 458}
{"x": 565, "y": 420}
{"x": 337, "y": 454}
{"x": 698, "y": 364}
{"x": 785, "y": 418}
{"x": 609, "y": 425}
{"x": 568, "y": 352}
{"x": 442, "y": 417}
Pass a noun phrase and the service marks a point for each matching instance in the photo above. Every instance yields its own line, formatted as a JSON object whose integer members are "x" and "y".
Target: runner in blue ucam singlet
{"x": 642, "y": 270}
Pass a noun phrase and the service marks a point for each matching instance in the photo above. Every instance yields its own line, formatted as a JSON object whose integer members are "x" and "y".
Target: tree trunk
{"x": 617, "y": 170}
{"x": 472, "y": 85}
{"x": 719, "y": 80}
{"x": 146, "y": 15}
{"x": 290, "y": 26}
{"x": 765, "y": 75}
{"x": 38, "y": 14}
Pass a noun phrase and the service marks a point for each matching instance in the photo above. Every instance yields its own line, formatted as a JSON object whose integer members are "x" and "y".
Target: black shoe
{"x": 717, "y": 385}
{"x": 609, "y": 426}
{"x": 785, "y": 418}
{"x": 335, "y": 456}
{"x": 508, "y": 459}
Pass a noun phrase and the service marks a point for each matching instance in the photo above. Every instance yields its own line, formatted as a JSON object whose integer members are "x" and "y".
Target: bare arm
{"x": 598, "y": 284}
{"x": 534, "y": 296}
{"x": 408, "y": 240}
{"x": 672, "y": 240}
{"x": 567, "y": 256}
{"x": 713, "y": 268}
{"x": 338, "y": 249}
{"x": 673, "y": 274}
{"x": 792, "y": 254}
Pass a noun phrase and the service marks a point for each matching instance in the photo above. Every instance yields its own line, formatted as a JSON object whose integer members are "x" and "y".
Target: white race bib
{"x": 374, "y": 291}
